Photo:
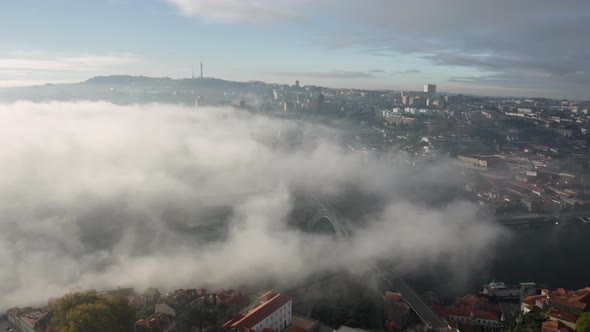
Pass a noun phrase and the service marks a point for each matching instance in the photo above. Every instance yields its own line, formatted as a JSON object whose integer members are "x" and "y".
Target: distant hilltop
{"x": 125, "y": 79}
{"x": 127, "y": 89}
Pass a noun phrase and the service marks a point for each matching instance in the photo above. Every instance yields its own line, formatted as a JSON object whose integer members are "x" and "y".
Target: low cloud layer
{"x": 95, "y": 195}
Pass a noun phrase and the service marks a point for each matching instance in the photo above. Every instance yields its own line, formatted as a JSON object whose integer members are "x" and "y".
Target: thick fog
{"x": 95, "y": 195}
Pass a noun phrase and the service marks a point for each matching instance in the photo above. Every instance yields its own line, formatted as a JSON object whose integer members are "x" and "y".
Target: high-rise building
{"x": 406, "y": 100}
{"x": 430, "y": 88}
{"x": 297, "y": 83}
{"x": 320, "y": 102}
{"x": 201, "y": 67}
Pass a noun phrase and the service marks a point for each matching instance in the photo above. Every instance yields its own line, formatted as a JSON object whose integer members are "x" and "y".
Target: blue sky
{"x": 495, "y": 47}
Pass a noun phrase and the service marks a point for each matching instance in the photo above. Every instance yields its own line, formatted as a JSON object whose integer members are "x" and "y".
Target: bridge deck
{"x": 414, "y": 301}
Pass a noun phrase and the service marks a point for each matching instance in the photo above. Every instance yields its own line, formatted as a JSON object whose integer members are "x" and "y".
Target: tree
{"x": 146, "y": 311}
{"x": 197, "y": 316}
{"x": 153, "y": 293}
{"x": 531, "y": 321}
{"x": 90, "y": 312}
{"x": 583, "y": 323}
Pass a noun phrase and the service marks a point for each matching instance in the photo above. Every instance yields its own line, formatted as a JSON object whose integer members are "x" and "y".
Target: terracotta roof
{"x": 563, "y": 315}
{"x": 36, "y": 315}
{"x": 262, "y": 311}
{"x": 222, "y": 298}
{"x": 393, "y": 296}
{"x": 13, "y": 311}
{"x": 532, "y": 299}
{"x": 237, "y": 300}
{"x": 553, "y": 324}
{"x": 232, "y": 321}
{"x": 572, "y": 302}
{"x": 465, "y": 312}
{"x": 157, "y": 322}
{"x": 267, "y": 296}
{"x": 488, "y": 315}
{"x": 582, "y": 299}
{"x": 556, "y": 326}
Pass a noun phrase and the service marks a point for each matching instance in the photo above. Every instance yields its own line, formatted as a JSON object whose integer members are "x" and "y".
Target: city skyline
{"x": 529, "y": 49}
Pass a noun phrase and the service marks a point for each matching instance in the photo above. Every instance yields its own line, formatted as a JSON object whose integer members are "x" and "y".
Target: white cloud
{"x": 36, "y": 67}
{"x": 80, "y": 63}
{"x": 97, "y": 195}
{"x": 25, "y": 82}
{"x": 251, "y": 11}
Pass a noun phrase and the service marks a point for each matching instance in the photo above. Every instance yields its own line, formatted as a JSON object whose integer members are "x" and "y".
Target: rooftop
{"x": 262, "y": 311}
{"x": 157, "y": 321}
{"x": 562, "y": 315}
{"x": 555, "y": 326}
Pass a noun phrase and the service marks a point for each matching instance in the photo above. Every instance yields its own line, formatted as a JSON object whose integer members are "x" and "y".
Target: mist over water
{"x": 95, "y": 195}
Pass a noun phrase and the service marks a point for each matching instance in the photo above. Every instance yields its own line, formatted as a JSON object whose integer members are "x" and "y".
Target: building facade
{"x": 430, "y": 88}
{"x": 274, "y": 313}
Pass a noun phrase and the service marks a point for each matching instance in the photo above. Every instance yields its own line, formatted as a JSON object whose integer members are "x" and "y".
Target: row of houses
{"x": 169, "y": 308}
{"x": 30, "y": 319}
{"x": 563, "y": 307}
{"x": 270, "y": 312}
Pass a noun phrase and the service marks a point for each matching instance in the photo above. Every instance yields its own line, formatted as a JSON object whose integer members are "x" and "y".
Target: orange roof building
{"x": 273, "y": 314}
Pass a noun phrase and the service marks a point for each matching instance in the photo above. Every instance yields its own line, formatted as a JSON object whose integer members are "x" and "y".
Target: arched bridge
{"x": 323, "y": 219}
{"x": 327, "y": 218}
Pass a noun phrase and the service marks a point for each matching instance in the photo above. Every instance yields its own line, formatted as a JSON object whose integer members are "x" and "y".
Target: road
{"x": 414, "y": 301}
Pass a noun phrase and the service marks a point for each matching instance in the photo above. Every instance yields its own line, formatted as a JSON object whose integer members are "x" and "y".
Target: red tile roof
{"x": 36, "y": 315}
{"x": 231, "y": 322}
{"x": 238, "y": 299}
{"x": 267, "y": 296}
{"x": 465, "y": 312}
{"x": 532, "y": 299}
{"x": 584, "y": 298}
{"x": 157, "y": 322}
{"x": 13, "y": 312}
{"x": 393, "y": 296}
{"x": 562, "y": 315}
{"x": 262, "y": 311}
{"x": 554, "y": 326}
{"x": 488, "y": 315}
{"x": 571, "y": 302}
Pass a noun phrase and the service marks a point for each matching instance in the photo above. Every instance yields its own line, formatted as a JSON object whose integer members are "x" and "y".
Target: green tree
{"x": 197, "y": 316}
{"x": 90, "y": 312}
{"x": 531, "y": 321}
{"x": 153, "y": 293}
{"x": 146, "y": 311}
{"x": 583, "y": 323}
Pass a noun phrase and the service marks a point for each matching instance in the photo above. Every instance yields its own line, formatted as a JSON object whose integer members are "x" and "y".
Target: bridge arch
{"x": 323, "y": 217}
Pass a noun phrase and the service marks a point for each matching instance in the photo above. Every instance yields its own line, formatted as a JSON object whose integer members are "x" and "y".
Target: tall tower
{"x": 201, "y": 68}
{"x": 430, "y": 88}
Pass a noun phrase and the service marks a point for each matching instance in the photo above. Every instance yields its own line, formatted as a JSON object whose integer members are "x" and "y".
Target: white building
{"x": 430, "y": 88}
{"x": 274, "y": 313}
